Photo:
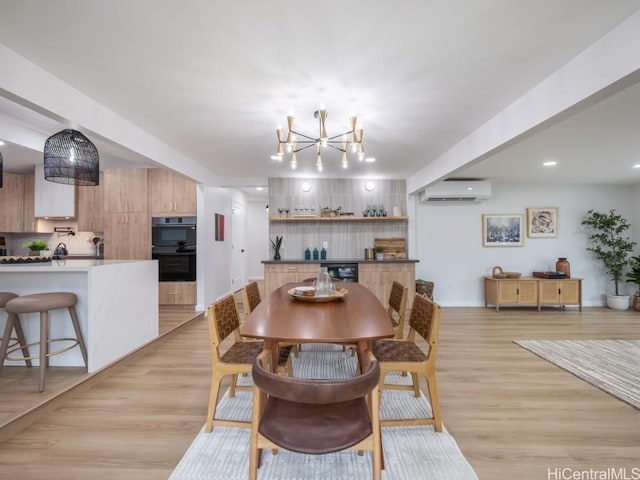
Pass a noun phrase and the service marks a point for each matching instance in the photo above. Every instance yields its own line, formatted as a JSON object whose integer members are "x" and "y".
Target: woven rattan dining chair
{"x": 314, "y": 416}
{"x": 406, "y": 356}
{"x": 224, "y": 322}
{"x": 397, "y": 307}
{"x": 250, "y": 297}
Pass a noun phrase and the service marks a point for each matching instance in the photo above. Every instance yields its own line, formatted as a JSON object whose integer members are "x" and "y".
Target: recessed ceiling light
{"x": 276, "y": 157}
{"x": 1, "y": 142}
{"x": 259, "y": 189}
{"x": 550, "y": 164}
{"x": 637, "y": 165}
{"x": 370, "y": 159}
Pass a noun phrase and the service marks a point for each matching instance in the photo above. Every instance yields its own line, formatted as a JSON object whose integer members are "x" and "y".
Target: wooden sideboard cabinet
{"x": 521, "y": 291}
{"x": 560, "y": 292}
{"x": 532, "y": 291}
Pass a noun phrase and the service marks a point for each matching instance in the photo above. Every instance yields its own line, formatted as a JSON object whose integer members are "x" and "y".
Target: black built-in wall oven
{"x": 174, "y": 246}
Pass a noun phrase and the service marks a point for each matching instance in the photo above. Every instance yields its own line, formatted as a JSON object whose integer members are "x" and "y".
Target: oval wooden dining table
{"x": 357, "y": 318}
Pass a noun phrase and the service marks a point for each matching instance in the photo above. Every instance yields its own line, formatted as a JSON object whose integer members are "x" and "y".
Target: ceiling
{"x": 212, "y": 80}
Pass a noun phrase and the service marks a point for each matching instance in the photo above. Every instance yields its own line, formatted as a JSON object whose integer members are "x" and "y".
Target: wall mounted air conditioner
{"x": 450, "y": 192}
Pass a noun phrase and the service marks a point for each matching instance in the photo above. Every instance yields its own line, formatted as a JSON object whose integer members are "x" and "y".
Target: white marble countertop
{"x": 62, "y": 266}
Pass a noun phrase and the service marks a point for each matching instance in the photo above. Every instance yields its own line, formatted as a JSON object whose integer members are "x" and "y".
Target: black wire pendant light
{"x": 71, "y": 158}
{"x": 1, "y": 169}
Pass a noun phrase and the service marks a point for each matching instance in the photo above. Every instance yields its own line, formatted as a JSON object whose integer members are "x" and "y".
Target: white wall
{"x": 257, "y": 246}
{"x": 448, "y": 240}
{"x": 214, "y": 257}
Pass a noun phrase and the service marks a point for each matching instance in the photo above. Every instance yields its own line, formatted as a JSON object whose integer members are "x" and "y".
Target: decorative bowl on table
{"x": 309, "y": 294}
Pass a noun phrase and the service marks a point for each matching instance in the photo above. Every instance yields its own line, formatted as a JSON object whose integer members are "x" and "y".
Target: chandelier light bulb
{"x": 279, "y": 133}
{"x": 280, "y": 152}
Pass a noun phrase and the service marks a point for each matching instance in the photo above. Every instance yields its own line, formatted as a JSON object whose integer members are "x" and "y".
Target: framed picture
{"x": 542, "y": 222}
{"x": 219, "y": 219}
{"x": 502, "y": 230}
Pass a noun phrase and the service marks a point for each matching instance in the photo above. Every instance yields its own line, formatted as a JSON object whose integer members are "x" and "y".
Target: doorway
{"x": 238, "y": 268}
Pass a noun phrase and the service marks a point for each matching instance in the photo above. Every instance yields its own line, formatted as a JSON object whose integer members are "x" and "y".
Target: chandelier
{"x": 296, "y": 141}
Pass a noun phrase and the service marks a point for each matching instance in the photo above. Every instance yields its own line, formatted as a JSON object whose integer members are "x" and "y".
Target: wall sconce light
{"x": 305, "y": 187}
{"x": 369, "y": 186}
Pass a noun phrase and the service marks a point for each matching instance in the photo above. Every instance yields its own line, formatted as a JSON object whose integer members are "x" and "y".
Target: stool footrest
{"x": 49, "y": 354}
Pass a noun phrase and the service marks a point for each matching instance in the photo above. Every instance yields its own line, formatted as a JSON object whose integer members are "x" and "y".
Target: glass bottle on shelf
{"x": 307, "y": 254}
{"x": 315, "y": 254}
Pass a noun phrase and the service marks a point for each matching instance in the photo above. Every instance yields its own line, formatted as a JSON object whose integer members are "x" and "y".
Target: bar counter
{"x": 117, "y": 305}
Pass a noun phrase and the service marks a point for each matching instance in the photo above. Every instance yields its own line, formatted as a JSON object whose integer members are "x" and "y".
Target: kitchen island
{"x": 117, "y": 305}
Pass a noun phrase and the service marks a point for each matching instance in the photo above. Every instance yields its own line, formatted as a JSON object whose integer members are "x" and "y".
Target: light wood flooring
{"x": 513, "y": 414}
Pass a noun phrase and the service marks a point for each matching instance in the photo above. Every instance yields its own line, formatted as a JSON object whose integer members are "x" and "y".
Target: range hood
{"x": 53, "y": 200}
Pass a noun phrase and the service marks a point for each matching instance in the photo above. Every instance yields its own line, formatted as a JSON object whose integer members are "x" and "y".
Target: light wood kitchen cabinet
{"x": 560, "y": 292}
{"x": 126, "y": 190}
{"x": 499, "y": 291}
{"x": 127, "y": 222}
{"x": 12, "y": 203}
{"x": 90, "y": 211}
{"x": 172, "y": 194}
{"x": 28, "y": 203}
{"x": 277, "y": 275}
{"x": 378, "y": 277}
{"x": 127, "y": 236}
{"x": 177, "y": 293}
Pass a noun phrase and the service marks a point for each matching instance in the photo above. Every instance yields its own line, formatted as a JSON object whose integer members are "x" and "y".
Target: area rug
{"x": 409, "y": 452}
{"x": 611, "y": 365}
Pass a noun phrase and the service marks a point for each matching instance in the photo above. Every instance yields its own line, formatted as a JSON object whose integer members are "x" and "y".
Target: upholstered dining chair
{"x": 315, "y": 416}
{"x": 238, "y": 358}
{"x": 407, "y": 356}
{"x": 397, "y": 307}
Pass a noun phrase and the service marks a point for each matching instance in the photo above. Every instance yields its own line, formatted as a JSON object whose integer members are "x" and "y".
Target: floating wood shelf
{"x": 344, "y": 218}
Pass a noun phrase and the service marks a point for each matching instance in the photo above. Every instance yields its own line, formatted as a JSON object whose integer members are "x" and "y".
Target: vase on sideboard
{"x": 562, "y": 265}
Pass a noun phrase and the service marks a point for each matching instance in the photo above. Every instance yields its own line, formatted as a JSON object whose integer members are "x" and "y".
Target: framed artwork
{"x": 542, "y": 222}
{"x": 502, "y": 230}
{"x": 219, "y": 227}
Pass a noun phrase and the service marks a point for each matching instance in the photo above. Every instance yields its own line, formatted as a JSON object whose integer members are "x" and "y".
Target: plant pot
{"x": 636, "y": 302}
{"x": 34, "y": 253}
{"x": 618, "y": 302}
{"x": 276, "y": 256}
{"x": 379, "y": 256}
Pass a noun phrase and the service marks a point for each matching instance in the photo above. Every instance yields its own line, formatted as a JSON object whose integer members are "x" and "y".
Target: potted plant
{"x": 276, "y": 244}
{"x": 634, "y": 277}
{"x": 36, "y": 246}
{"x": 379, "y": 252}
{"x": 611, "y": 247}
